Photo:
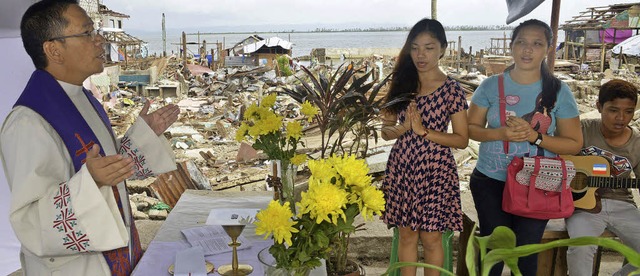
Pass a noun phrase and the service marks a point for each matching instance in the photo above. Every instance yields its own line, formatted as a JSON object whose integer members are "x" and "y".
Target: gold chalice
{"x": 234, "y": 268}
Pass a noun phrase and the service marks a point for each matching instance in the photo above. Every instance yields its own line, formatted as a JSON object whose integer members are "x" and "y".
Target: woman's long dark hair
{"x": 550, "y": 84}
{"x": 404, "y": 81}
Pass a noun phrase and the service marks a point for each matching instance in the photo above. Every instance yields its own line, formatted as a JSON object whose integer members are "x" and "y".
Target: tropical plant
{"x": 346, "y": 103}
{"x": 502, "y": 243}
{"x": 360, "y": 110}
{"x": 283, "y": 65}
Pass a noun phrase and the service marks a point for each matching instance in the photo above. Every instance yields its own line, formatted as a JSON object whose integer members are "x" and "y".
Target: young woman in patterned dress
{"x": 421, "y": 184}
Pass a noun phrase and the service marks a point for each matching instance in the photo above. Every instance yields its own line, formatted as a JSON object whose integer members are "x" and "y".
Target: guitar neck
{"x": 612, "y": 182}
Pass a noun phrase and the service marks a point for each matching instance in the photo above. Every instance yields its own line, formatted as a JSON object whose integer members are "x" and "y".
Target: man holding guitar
{"x": 610, "y": 206}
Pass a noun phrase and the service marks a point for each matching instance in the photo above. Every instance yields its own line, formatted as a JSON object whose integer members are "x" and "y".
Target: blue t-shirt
{"x": 521, "y": 101}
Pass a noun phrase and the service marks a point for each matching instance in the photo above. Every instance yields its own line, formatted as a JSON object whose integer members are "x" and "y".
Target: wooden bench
{"x": 552, "y": 262}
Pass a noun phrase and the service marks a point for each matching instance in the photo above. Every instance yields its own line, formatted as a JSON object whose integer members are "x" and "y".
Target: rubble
{"x": 203, "y": 138}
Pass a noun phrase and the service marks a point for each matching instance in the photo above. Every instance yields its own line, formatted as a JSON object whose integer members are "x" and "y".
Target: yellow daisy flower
{"x": 324, "y": 202}
{"x": 276, "y": 220}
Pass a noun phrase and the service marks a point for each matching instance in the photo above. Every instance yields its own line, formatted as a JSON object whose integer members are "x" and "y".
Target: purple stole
{"x": 44, "y": 95}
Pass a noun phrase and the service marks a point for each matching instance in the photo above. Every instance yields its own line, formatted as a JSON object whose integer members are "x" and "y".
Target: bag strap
{"x": 565, "y": 185}
{"x": 532, "y": 179}
{"x": 503, "y": 110}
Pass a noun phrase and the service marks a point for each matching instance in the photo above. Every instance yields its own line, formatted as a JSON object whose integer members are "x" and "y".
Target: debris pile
{"x": 212, "y": 107}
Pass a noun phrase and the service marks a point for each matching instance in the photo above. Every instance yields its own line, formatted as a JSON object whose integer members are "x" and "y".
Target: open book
{"x": 213, "y": 239}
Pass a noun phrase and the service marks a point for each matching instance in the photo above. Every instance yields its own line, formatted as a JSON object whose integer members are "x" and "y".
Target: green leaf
{"x": 502, "y": 237}
{"x": 471, "y": 258}
{"x": 303, "y": 257}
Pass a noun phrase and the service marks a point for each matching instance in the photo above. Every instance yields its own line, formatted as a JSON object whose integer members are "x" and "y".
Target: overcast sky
{"x": 276, "y": 14}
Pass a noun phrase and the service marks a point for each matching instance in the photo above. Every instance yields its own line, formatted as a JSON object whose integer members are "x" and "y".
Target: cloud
{"x": 221, "y": 14}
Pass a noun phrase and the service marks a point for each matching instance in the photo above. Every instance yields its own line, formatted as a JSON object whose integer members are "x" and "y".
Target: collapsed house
{"x": 590, "y": 35}
{"x": 256, "y": 51}
{"x": 119, "y": 46}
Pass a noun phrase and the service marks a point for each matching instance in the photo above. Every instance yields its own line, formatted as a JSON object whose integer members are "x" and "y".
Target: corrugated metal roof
{"x": 269, "y": 42}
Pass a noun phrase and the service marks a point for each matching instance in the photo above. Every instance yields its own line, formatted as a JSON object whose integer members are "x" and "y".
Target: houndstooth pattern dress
{"x": 421, "y": 185}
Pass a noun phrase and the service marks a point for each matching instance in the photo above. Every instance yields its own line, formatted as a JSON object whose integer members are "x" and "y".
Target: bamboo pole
{"x": 504, "y": 44}
{"x": 434, "y": 9}
{"x": 458, "y": 54}
{"x": 184, "y": 52}
{"x": 603, "y": 48}
{"x": 164, "y": 37}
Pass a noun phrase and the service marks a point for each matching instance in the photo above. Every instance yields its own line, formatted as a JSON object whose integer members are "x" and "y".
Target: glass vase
{"x": 270, "y": 268}
{"x": 287, "y": 179}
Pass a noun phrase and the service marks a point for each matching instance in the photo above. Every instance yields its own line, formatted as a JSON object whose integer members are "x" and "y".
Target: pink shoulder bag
{"x": 536, "y": 187}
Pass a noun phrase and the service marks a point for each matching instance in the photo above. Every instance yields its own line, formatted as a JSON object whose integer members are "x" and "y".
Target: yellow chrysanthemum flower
{"x": 298, "y": 159}
{"x": 309, "y": 110}
{"x": 354, "y": 171}
{"x": 322, "y": 170}
{"x": 263, "y": 113}
{"x": 324, "y": 202}
{"x": 294, "y": 130}
{"x": 276, "y": 220}
{"x": 241, "y": 132}
{"x": 251, "y": 112}
{"x": 371, "y": 202}
{"x": 272, "y": 123}
{"x": 254, "y": 130}
{"x": 269, "y": 100}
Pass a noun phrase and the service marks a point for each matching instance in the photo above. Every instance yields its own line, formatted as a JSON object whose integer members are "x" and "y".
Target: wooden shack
{"x": 592, "y": 32}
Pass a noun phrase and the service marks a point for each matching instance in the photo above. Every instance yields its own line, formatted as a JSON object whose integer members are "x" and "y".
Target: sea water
{"x": 304, "y": 42}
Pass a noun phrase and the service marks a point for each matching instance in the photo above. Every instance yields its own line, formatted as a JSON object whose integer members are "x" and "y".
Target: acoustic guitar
{"x": 593, "y": 172}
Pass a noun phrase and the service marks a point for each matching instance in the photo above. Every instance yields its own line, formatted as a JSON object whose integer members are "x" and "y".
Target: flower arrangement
{"x": 339, "y": 190}
{"x": 277, "y": 138}
{"x": 271, "y": 134}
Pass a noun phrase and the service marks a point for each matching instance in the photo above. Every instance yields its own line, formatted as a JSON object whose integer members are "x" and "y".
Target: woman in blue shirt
{"x": 542, "y": 119}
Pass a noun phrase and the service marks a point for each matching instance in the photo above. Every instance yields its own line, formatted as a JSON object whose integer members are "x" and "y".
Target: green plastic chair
{"x": 447, "y": 240}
